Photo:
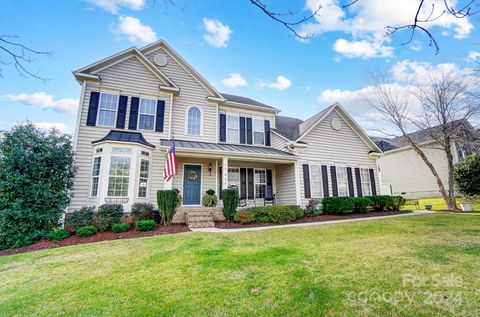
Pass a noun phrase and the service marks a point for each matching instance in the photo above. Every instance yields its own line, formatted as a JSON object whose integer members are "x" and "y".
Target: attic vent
{"x": 336, "y": 124}
{"x": 160, "y": 60}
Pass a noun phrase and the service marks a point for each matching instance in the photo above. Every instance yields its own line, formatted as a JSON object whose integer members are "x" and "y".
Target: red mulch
{"x": 320, "y": 218}
{"x": 101, "y": 236}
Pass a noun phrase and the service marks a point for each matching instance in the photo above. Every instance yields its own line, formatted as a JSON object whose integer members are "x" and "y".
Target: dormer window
{"x": 146, "y": 114}
{"x": 194, "y": 123}
{"x": 107, "y": 109}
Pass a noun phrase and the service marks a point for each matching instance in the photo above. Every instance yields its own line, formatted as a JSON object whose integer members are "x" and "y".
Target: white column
{"x": 225, "y": 172}
{"x": 297, "y": 182}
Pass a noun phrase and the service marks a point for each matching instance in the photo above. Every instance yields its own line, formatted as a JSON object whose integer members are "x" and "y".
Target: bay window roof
{"x": 125, "y": 136}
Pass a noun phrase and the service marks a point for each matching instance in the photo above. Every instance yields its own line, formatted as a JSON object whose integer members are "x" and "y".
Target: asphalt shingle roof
{"x": 245, "y": 100}
{"x": 292, "y": 128}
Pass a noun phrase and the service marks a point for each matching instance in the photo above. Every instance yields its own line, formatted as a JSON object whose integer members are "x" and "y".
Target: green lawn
{"x": 437, "y": 204}
{"x": 412, "y": 266}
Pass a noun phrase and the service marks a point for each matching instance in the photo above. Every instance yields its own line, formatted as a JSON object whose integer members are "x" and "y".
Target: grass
{"x": 438, "y": 204}
{"x": 412, "y": 266}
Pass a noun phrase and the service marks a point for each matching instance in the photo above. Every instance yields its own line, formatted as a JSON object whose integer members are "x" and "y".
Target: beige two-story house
{"x": 134, "y": 102}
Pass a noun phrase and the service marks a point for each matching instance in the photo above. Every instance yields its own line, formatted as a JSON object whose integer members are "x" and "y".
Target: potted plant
{"x": 210, "y": 199}
{"x": 467, "y": 202}
{"x": 428, "y": 207}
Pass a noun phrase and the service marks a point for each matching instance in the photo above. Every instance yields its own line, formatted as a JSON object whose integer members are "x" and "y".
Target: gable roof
{"x": 288, "y": 127}
{"x": 246, "y": 101}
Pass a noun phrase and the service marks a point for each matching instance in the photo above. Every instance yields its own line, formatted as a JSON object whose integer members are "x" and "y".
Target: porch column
{"x": 225, "y": 172}
{"x": 297, "y": 182}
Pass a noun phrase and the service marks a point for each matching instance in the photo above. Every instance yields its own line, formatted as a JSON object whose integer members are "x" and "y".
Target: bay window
{"x": 143, "y": 177}
{"x": 366, "y": 185}
{"x": 146, "y": 114}
{"x": 258, "y": 131}
{"x": 342, "y": 181}
{"x": 119, "y": 176}
{"x": 233, "y": 135}
{"x": 95, "y": 176}
{"x": 316, "y": 181}
{"x": 107, "y": 109}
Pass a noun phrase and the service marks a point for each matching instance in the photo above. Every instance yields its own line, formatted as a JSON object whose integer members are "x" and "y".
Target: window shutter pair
{"x": 306, "y": 181}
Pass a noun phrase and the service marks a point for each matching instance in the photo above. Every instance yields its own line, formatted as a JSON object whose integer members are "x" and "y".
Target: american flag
{"x": 170, "y": 162}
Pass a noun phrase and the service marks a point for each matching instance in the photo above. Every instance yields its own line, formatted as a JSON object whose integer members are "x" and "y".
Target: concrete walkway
{"x": 218, "y": 230}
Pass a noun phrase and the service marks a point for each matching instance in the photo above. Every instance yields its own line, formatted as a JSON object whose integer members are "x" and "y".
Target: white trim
{"x": 346, "y": 175}
{"x": 310, "y": 179}
{"x": 201, "y": 183}
{"x": 100, "y": 155}
{"x": 116, "y": 109}
{"x": 247, "y": 156}
{"x": 245, "y": 105}
{"x": 201, "y": 120}
{"x": 147, "y": 158}
{"x": 255, "y": 183}
{"x": 298, "y": 194}
{"x": 79, "y": 116}
{"x": 271, "y": 130}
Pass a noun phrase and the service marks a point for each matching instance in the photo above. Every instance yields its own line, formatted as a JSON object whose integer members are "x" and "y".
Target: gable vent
{"x": 160, "y": 60}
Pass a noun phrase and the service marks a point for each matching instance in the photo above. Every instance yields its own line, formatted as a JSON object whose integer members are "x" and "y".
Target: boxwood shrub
{"x": 361, "y": 204}
{"x": 276, "y": 214}
{"x": 337, "y": 205}
{"x": 59, "y": 234}
{"x": 86, "y": 231}
{"x": 145, "y": 225}
{"x": 120, "y": 227}
{"x": 380, "y": 202}
{"x": 108, "y": 214}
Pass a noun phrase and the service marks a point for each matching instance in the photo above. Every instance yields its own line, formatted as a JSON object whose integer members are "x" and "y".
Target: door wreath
{"x": 192, "y": 175}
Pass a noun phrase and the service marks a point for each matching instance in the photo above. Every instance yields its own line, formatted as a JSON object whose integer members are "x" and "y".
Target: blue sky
{"x": 235, "y": 47}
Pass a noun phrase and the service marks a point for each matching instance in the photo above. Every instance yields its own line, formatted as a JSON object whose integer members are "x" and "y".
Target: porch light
{"x": 210, "y": 168}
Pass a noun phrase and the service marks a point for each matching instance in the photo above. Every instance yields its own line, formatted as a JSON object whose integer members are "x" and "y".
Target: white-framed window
{"x": 342, "y": 181}
{"x": 258, "y": 131}
{"x": 119, "y": 176}
{"x": 260, "y": 178}
{"x": 233, "y": 134}
{"x": 194, "y": 121}
{"x": 234, "y": 176}
{"x": 366, "y": 185}
{"x": 97, "y": 162}
{"x": 146, "y": 114}
{"x": 107, "y": 109}
{"x": 316, "y": 181}
{"x": 143, "y": 179}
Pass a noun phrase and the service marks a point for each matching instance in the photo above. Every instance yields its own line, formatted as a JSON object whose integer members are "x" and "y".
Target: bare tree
{"x": 445, "y": 103}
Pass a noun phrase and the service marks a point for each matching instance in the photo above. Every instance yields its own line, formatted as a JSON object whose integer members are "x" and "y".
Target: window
{"x": 119, "y": 176}
{"x": 143, "y": 181}
{"x": 366, "y": 187}
{"x": 107, "y": 109}
{"x": 146, "y": 114}
{"x": 260, "y": 183}
{"x": 233, "y": 134}
{"x": 258, "y": 131}
{"x": 95, "y": 175}
{"x": 342, "y": 181}
{"x": 234, "y": 177}
{"x": 316, "y": 181}
{"x": 194, "y": 121}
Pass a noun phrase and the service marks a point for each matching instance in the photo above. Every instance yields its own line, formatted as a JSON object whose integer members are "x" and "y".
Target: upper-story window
{"x": 233, "y": 134}
{"x": 107, "y": 109}
{"x": 146, "y": 114}
{"x": 258, "y": 131}
{"x": 194, "y": 117}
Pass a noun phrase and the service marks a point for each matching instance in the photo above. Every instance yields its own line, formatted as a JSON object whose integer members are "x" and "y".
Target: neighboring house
{"x": 134, "y": 101}
{"x": 402, "y": 169}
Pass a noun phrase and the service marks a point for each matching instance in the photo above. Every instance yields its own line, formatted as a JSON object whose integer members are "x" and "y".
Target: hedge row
{"x": 343, "y": 205}
{"x": 275, "y": 214}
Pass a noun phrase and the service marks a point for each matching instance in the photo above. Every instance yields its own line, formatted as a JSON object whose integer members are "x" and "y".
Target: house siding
{"x": 278, "y": 142}
{"x": 286, "y": 188}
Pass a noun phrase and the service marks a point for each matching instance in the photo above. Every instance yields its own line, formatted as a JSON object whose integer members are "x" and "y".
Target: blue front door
{"x": 192, "y": 180}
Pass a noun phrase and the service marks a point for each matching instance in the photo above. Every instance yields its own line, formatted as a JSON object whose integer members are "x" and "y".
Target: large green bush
{"x": 230, "y": 201}
{"x": 361, "y": 204}
{"x": 276, "y": 214}
{"x": 145, "y": 225}
{"x": 144, "y": 211}
{"x": 120, "y": 227}
{"x": 467, "y": 176}
{"x": 244, "y": 216}
{"x": 167, "y": 205}
{"x": 337, "y": 205}
{"x": 86, "y": 231}
{"x": 380, "y": 202}
{"x": 108, "y": 214}
{"x": 36, "y": 179}
{"x": 395, "y": 203}
{"x": 80, "y": 217}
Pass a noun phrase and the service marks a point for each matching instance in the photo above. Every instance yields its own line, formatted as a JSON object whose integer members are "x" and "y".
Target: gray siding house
{"x": 133, "y": 102}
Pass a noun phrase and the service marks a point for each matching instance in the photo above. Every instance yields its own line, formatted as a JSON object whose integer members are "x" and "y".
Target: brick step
{"x": 199, "y": 218}
{"x": 203, "y": 224}
{"x": 199, "y": 213}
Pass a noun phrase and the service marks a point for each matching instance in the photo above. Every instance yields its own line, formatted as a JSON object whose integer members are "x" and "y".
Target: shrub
{"x": 179, "y": 197}
{"x": 467, "y": 176}
{"x": 311, "y": 209}
{"x": 361, "y": 204}
{"x": 230, "y": 201}
{"x": 379, "y": 203}
{"x": 337, "y": 205}
{"x": 210, "y": 200}
{"x": 143, "y": 211}
{"x": 244, "y": 216}
{"x": 276, "y": 214}
{"x": 210, "y": 192}
{"x": 86, "y": 231}
{"x": 36, "y": 180}
{"x": 395, "y": 202}
{"x": 167, "y": 204}
{"x": 120, "y": 227}
{"x": 59, "y": 234}
{"x": 145, "y": 225}
{"x": 108, "y": 214}
{"x": 80, "y": 217}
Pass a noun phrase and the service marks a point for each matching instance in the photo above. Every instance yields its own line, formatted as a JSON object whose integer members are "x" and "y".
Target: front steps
{"x": 199, "y": 217}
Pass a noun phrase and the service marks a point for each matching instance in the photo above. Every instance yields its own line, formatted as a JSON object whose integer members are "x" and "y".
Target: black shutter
{"x": 333, "y": 173}
{"x": 132, "y": 121}
{"x": 122, "y": 112}
{"x": 372, "y": 182}
{"x": 350, "y": 182}
{"x": 251, "y": 189}
{"x": 242, "y": 130}
{"x": 269, "y": 177}
{"x": 306, "y": 181}
{"x": 267, "y": 132}
{"x": 358, "y": 178}
{"x": 93, "y": 108}
{"x": 223, "y": 127}
{"x": 249, "y": 131}
{"x": 160, "y": 115}
{"x": 243, "y": 183}
{"x": 220, "y": 182}
{"x": 325, "y": 181}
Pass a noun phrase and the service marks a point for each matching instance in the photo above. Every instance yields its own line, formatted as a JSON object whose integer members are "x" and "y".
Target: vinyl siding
{"x": 278, "y": 142}
{"x": 285, "y": 178}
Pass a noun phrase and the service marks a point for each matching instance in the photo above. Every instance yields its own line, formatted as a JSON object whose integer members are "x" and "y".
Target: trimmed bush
{"x": 395, "y": 203}
{"x": 108, "y": 214}
{"x": 86, "y": 231}
{"x": 59, "y": 234}
{"x": 361, "y": 204}
{"x": 210, "y": 200}
{"x": 337, "y": 205}
{"x": 210, "y": 192}
{"x": 144, "y": 211}
{"x": 120, "y": 227}
{"x": 80, "y": 218}
{"x": 167, "y": 204}
{"x": 230, "y": 201}
{"x": 179, "y": 197}
{"x": 276, "y": 214}
{"x": 145, "y": 225}
{"x": 244, "y": 216}
{"x": 379, "y": 203}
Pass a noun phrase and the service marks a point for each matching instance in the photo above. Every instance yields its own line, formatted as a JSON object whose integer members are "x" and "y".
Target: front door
{"x": 192, "y": 180}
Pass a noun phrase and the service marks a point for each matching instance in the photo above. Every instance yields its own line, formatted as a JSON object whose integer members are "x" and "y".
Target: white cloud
{"x": 134, "y": 30}
{"x": 234, "y": 80}
{"x": 282, "y": 83}
{"x": 43, "y": 100}
{"x": 113, "y": 6}
{"x": 416, "y": 46}
{"x": 46, "y": 126}
{"x": 216, "y": 33}
{"x": 363, "y": 49}
{"x": 473, "y": 56}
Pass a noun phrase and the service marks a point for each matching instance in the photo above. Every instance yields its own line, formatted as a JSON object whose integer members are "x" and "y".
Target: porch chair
{"x": 269, "y": 196}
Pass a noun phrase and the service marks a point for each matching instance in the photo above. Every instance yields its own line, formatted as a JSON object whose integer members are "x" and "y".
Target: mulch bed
{"x": 101, "y": 236}
{"x": 320, "y": 218}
